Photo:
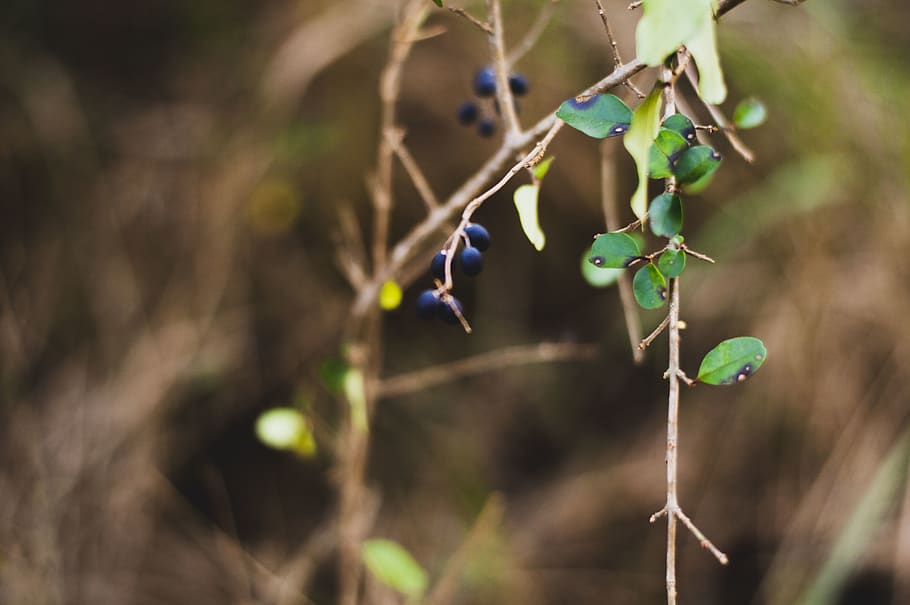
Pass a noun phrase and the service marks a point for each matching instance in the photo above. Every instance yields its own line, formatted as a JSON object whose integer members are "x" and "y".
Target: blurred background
{"x": 173, "y": 180}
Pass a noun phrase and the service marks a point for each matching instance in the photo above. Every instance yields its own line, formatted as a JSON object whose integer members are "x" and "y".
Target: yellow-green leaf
{"x": 394, "y": 566}
{"x": 526, "y": 203}
{"x": 703, "y": 46}
{"x": 286, "y": 429}
{"x": 390, "y": 295}
{"x": 644, "y": 128}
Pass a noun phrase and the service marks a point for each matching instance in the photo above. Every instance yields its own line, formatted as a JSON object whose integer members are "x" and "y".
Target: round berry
{"x": 518, "y": 84}
{"x": 438, "y": 265}
{"x": 485, "y": 82}
{"x": 467, "y": 113}
{"x": 486, "y": 127}
{"x": 428, "y": 304}
{"x": 446, "y": 310}
{"x": 471, "y": 261}
{"x": 478, "y": 236}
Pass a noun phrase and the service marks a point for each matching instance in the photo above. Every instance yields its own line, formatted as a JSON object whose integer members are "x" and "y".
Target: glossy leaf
{"x": 672, "y": 263}
{"x": 749, "y": 113}
{"x": 541, "y": 169}
{"x": 732, "y": 361}
{"x": 600, "y": 117}
{"x": 394, "y": 566}
{"x": 642, "y": 132}
{"x": 664, "y": 151}
{"x": 599, "y": 277}
{"x": 682, "y": 126}
{"x": 696, "y": 164}
{"x": 666, "y": 215}
{"x": 614, "y": 251}
{"x": 650, "y": 287}
{"x": 526, "y": 203}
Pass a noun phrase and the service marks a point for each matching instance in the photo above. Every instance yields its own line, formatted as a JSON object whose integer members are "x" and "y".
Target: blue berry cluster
{"x": 439, "y": 303}
{"x": 470, "y": 112}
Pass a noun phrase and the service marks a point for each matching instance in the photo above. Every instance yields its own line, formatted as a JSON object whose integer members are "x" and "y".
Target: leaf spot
{"x": 597, "y": 261}
{"x": 583, "y": 103}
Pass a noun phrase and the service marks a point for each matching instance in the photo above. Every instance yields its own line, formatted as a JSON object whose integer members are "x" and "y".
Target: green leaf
{"x": 614, "y": 251}
{"x": 732, "y": 361}
{"x": 286, "y": 429}
{"x": 600, "y": 117}
{"x": 526, "y": 203}
{"x": 355, "y": 393}
{"x": 664, "y": 151}
{"x": 703, "y": 47}
{"x": 666, "y": 215}
{"x": 438, "y": 3}
{"x": 394, "y": 566}
{"x": 542, "y": 168}
{"x": 650, "y": 287}
{"x": 682, "y": 126}
{"x": 599, "y": 277}
{"x": 749, "y": 113}
{"x": 672, "y": 263}
{"x": 332, "y": 372}
{"x": 642, "y": 132}
{"x": 696, "y": 165}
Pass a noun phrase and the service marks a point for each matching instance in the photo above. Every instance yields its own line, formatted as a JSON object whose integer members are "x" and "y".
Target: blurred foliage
{"x": 167, "y": 274}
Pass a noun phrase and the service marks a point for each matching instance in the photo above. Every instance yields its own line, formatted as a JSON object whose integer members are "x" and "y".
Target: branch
{"x": 395, "y": 140}
{"x": 490, "y": 361}
{"x": 723, "y": 123}
{"x": 534, "y": 33}
{"x": 484, "y": 27}
{"x": 500, "y": 66}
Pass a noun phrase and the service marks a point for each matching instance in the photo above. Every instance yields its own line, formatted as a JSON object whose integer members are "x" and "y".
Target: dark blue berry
{"x": 446, "y": 313}
{"x": 428, "y": 304}
{"x": 478, "y": 236}
{"x": 486, "y": 127}
{"x": 467, "y": 113}
{"x": 471, "y": 261}
{"x": 438, "y": 265}
{"x": 518, "y": 84}
{"x": 485, "y": 82}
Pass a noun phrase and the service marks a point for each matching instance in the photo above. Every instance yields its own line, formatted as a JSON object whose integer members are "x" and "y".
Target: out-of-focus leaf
{"x": 286, "y": 429}
{"x": 732, "y": 361}
{"x": 703, "y": 46}
{"x": 394, "y": 566}
{"x": 696, "y": 165}
{"x": 600, "y": 117}
{"x": 642, "y": 132}
{"x": 599, "y": 277}
{"x": 664, "y": 151}
{"x": 541, "y": 169}
{"x": 650, "y": 287}
{"x": 672, "y": 263}
{"x": 749, "y": 113}
{"x": 390, "y": 295}
{"x": 438, "y": 3}
{"x": 332, "y": 372}
{"x": 614, "y": 251}
{"x": 526, "y": 203}
{"x": 666, "y": 215}
{"x": 355, "y": 393}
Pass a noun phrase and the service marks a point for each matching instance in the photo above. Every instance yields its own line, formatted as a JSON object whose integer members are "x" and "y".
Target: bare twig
{"x": 657, "y": 332}
{"x": 723, "y": 123}
{"x": 545, "y": 352}
{"x": 395, "y": 139}
{"x": 534, "y": 33}
{"x": 614, "y": 48}
{"x": 611, "y": 216}
{"x": 500, "y": 66}
{"x": 484, "y": 27}
{"x": 697, "y": 254}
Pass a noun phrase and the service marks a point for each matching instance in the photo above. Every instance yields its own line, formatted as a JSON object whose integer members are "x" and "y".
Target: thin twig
{"x": 395, "y": 138}
{"x": 501, "y": 68}
{"x": 657, "y": 331}
{"x": 614, "y": 48}
{"x": 611, "y": 217}
{"x": 723, "y": 123}
{"x": 705, "y": 542}
{"x": 484, "y": 27}
{"x": 533, "y": 35}
{"x": 697, "y": 254}
{"x": 545, "y": 352}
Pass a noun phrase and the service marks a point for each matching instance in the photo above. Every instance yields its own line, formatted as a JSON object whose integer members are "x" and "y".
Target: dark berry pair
{"x": 430, "y": 304}
{"x": 485, "y": 87}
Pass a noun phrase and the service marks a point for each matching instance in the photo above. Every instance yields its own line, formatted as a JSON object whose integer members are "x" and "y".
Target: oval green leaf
{"x": 614, "y": 251}
{"x": 682, "y": 126}
{"x": 672, "y": 263}
{"x": 666, "y": 215}
{"x": 599, "y": 277}
{"x": 732, "y": 361}
{"x": 599, "y": 117}
{"x": 650, "y": 287}
{"x": 696, "y": 165}
{"x": 664, "y": 151}
{"x": 749, "y": 113}
{"x": 394, "y": 566}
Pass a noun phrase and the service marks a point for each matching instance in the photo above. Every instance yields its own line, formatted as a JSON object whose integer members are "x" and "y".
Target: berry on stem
{"x": 478, "y": 236}
{"x": 518, "y": 84}
{"x": 467, "y": 113}
{"x": 438, "y": 265}
{"x": 485, "y": 82}
{"x": 486, "y": 127}
{"x": 428, "y": 304}
{"x": 447, "y": 312}
{"x": 471, "y": 261}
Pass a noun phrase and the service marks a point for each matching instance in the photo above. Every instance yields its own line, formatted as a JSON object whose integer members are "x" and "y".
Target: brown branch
{"x": 657, "y": 332}
{"x": 395, "y": 139}
{"x": 534, "y": 33}
{"x": 723, "y": 123}
{"x": 484, "y": 27}
{"x": 545, "y": 352}
{"x": 501, "y": 68}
